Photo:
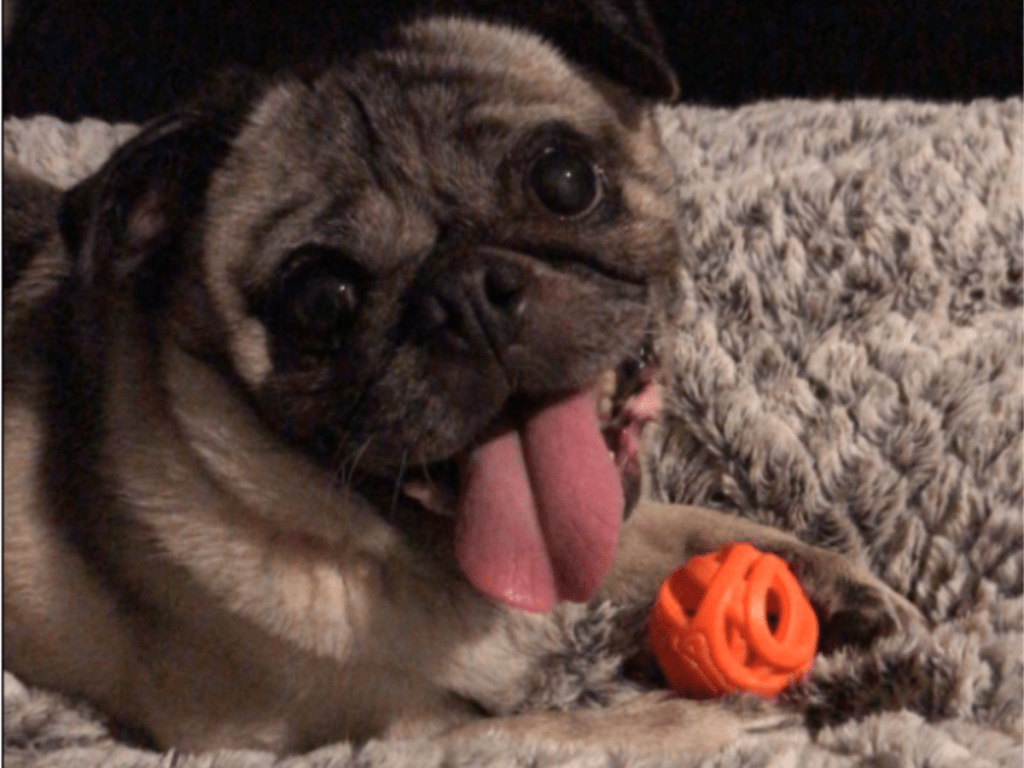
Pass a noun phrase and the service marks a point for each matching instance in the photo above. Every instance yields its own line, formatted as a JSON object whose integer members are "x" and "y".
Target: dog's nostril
{"x": 503, "y": 286}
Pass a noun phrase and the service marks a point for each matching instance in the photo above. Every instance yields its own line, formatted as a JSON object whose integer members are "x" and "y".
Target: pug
{"x": 323, "y": 398}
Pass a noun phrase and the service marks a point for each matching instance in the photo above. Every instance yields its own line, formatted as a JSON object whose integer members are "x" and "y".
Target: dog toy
{"x": 733, "y": 620}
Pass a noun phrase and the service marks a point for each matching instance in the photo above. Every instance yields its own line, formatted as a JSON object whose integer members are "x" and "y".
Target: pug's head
{"x": 418, "y": 268}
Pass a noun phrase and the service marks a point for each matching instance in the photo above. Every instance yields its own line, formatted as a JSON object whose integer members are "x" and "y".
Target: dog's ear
{"x": 134, "y": 207}
{"x": 619, "y": 39}
{"x": 131, "y": 214}
{"x": 615, "y": 38}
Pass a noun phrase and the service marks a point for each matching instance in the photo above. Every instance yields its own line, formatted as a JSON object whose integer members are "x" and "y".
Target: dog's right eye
{"x": 318, "y": 299}
{"x": 565, "y": 181}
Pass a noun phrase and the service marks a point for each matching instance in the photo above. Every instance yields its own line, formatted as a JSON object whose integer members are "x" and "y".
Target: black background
{"x": 118, "y": 59}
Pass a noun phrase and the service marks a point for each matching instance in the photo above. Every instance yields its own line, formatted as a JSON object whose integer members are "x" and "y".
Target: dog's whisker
{"x": 396, "y": 491}
{"x": 347, "y": 467}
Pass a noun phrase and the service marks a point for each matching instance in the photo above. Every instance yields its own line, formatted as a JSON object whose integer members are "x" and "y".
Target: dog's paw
{"x": 854, "y": 607}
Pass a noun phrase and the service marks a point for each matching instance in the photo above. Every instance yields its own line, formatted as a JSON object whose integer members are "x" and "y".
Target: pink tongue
{"x": 540, "y": 508}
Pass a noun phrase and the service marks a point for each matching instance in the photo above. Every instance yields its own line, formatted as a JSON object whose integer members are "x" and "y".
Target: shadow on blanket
{"x": 849, "y": 366}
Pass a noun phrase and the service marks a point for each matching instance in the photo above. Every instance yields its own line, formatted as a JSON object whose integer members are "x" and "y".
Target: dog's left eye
{"x": 318, "y": 300}
{"x": 565, "y": 181}
{"x": 321, "y": 303}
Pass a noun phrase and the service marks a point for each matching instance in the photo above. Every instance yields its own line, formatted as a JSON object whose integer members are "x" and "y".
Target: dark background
{"x": 119, "y": 59}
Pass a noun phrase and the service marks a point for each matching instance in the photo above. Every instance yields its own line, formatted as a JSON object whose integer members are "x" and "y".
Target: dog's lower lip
{"x": 434, "y": 487}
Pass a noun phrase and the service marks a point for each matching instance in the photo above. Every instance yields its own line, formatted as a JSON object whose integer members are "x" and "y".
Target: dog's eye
{"x": 321, "y": 303}
{"x": 565, "y": 181}
{"x": 318, "y": 299}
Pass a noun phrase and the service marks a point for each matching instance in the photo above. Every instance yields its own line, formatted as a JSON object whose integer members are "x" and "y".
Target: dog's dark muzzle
{"x": 550, "y": 325}
{"x": 475, "y": 300}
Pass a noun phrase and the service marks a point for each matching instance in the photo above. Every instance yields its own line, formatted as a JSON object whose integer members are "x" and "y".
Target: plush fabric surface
{"x": 848, "y": 365}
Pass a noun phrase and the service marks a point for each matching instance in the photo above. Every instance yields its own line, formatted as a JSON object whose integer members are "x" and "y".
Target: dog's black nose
{"x": 480, "y": 301}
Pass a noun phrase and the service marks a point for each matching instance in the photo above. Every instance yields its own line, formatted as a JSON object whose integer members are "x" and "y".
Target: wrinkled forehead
{"x": 391, "y": 138}
{"x": 450, "y": 88}
{"x": 504, "y": 74}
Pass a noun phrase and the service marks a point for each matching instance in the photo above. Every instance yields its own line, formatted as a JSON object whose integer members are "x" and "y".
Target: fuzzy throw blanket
{"x": 849, "y": 366}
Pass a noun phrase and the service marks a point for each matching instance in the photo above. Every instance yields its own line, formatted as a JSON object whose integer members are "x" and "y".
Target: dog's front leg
{"x": 852, "y": 604}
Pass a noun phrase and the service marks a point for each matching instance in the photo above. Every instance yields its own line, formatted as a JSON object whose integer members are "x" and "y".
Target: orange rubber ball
{"x": 733, "y": 620}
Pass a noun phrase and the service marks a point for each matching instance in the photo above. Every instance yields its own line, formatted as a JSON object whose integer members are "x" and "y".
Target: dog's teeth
{"x": 605, "y": 393}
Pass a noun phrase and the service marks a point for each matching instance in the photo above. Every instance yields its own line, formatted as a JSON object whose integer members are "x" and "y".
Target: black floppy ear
{"x": 615, "y": 38}
{"x": 129, "y": 215}
{"x": 619, "y": 39}
{"x": 132, "y": 213}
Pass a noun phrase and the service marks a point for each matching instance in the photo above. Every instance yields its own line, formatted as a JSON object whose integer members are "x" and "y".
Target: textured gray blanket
{"x": 849, "y": 366}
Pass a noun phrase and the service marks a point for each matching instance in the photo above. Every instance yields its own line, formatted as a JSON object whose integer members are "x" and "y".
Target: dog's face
{"x": 418, "y": 268}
